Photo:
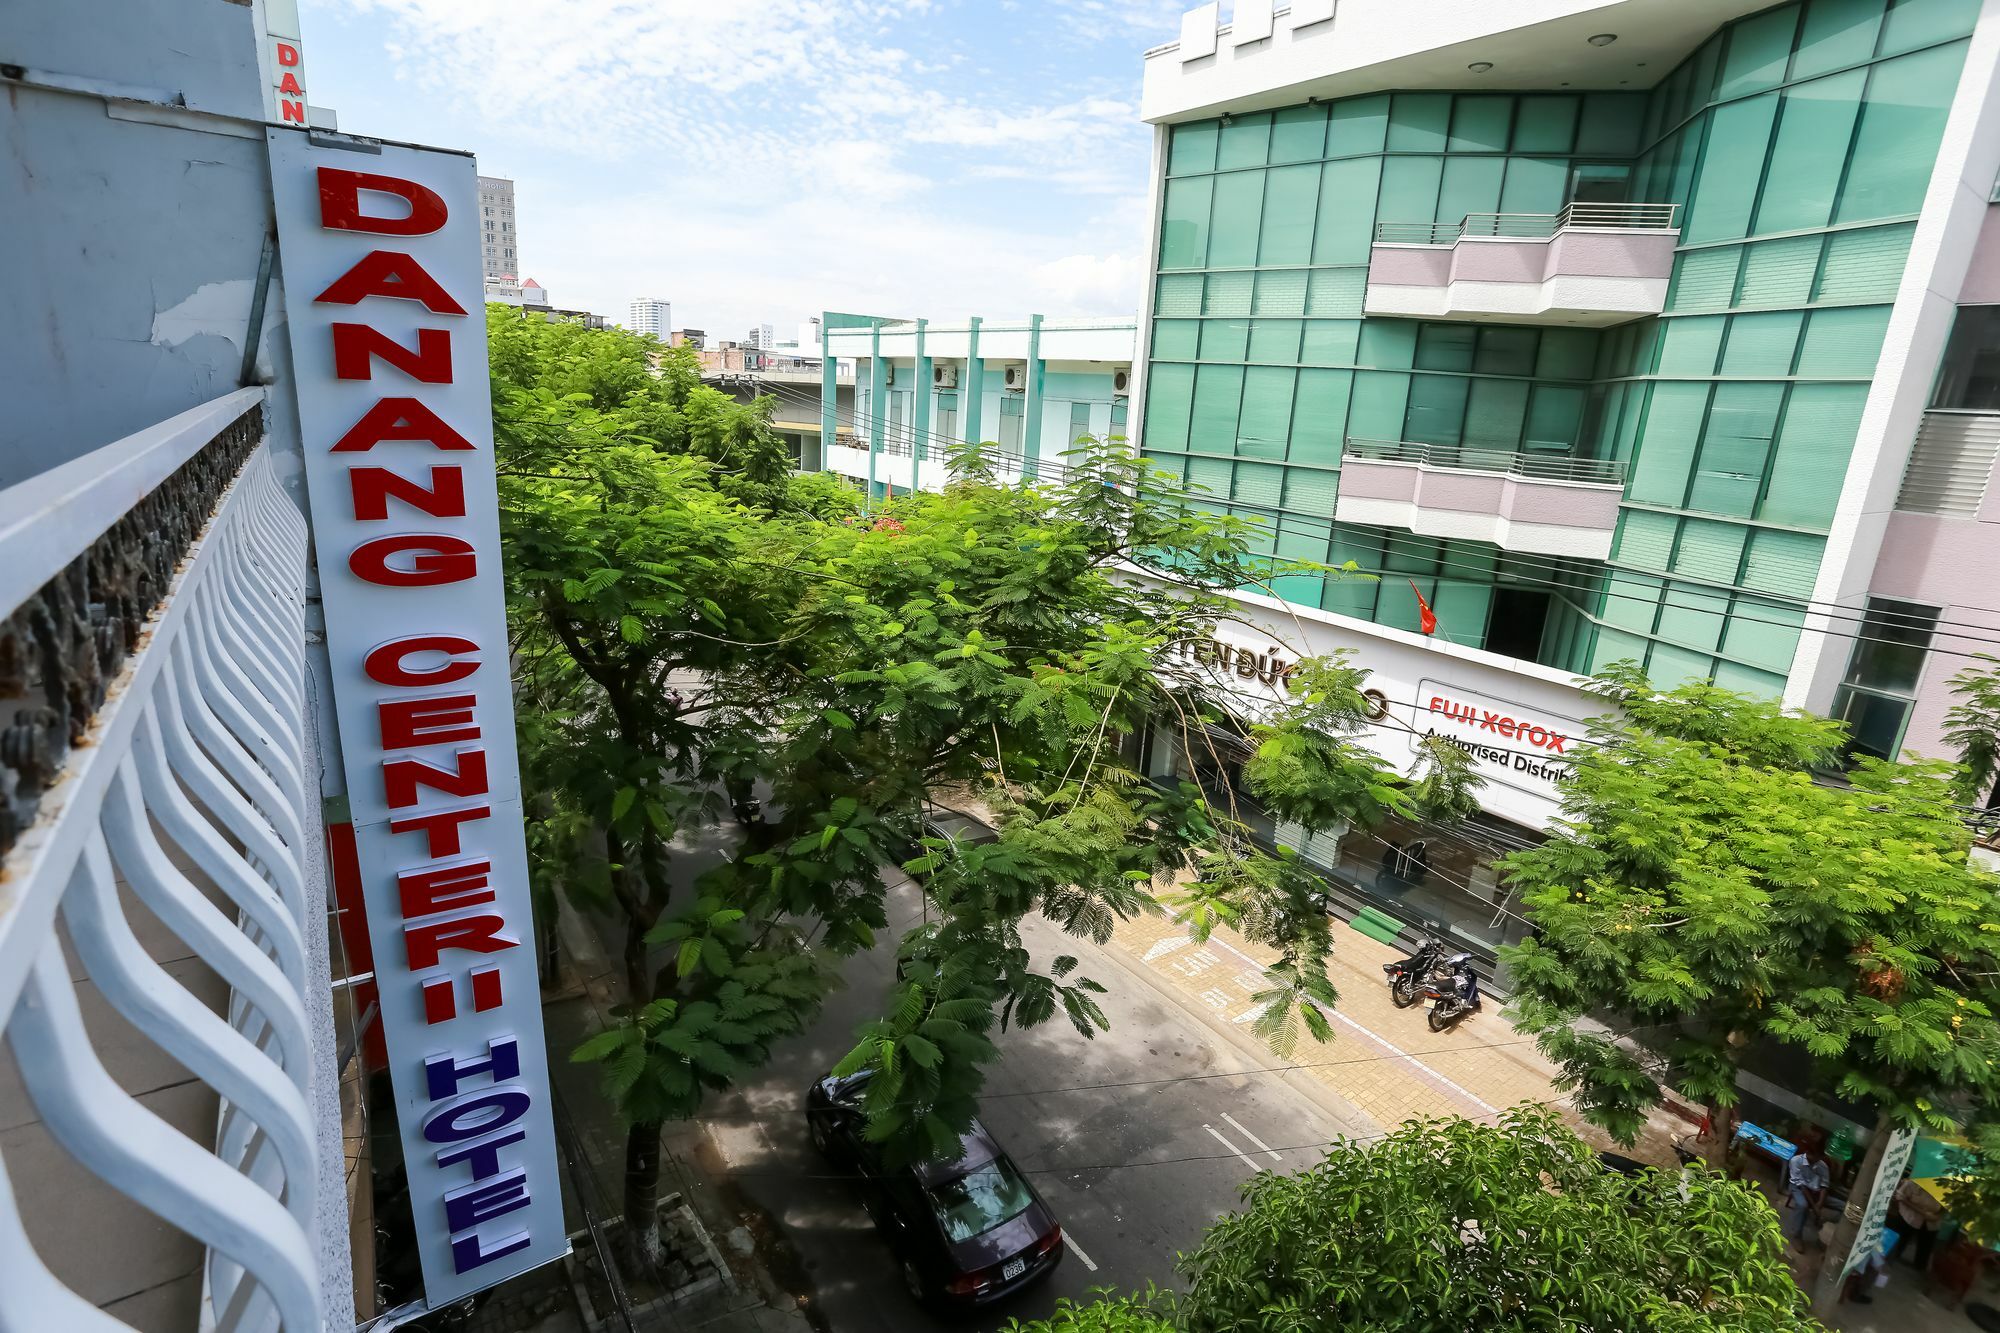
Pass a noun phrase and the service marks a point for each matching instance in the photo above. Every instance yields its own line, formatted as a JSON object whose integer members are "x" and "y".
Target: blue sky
{"x": 757, "y": 162}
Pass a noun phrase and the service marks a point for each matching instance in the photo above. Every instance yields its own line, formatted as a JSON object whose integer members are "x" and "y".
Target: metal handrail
{"x": 1471, "y": 458}
{"x": 172, "y": 635}
{"x": 1531, "y": 226}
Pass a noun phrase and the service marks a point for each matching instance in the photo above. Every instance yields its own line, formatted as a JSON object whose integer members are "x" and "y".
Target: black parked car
{"x": 964, "y": 1232}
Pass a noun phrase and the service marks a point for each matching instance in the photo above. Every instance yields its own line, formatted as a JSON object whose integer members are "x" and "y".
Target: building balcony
{"x": 1541, "y": 504}
{"x": 1591, "y": 265}
{"x": 165, "y": 1155}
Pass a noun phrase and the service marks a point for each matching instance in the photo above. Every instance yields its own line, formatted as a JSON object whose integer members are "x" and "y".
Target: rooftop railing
{"x": 1531, "y": 226}
{"x": 1525, "y": 463}
{"x": 154, "y": 659}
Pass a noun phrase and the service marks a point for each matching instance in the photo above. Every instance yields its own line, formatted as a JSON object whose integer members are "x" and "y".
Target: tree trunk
{"x": 1826, "y": 1287}
{"x": 642, "y": 1196}
{"x": 1721, "y": 1136}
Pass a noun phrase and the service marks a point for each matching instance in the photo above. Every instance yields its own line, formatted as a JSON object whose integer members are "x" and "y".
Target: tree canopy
{"x": 1454, "y": 1224}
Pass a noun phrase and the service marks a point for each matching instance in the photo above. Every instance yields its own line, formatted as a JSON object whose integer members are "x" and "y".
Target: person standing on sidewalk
{"x": 1918, "y": 1214}
{"x": 1806, "y": 1179}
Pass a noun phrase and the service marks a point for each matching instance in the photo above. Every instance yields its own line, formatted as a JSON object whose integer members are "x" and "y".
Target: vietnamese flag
{"x": 1426, "y": 618}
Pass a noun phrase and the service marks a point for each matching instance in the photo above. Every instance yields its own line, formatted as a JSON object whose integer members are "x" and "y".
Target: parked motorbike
{"x": 1407, "y": 977}
{"x": 1453, "y": 991}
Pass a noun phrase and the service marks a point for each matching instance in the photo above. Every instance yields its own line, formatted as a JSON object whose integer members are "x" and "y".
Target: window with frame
{"x": 1969, "y": 375}
{"x": 1887, "y": 665}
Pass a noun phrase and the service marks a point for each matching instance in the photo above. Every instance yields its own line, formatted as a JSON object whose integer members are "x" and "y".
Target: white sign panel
{"x": 383, "y": 293}
{"x": 1505, "y": 740}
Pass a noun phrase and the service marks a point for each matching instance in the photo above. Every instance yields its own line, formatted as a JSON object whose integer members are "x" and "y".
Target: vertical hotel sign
{"x": 383, "y": 293}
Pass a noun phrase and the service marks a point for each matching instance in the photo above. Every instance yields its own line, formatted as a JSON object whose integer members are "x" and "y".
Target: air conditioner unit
{"x": 1017, "y": 377}
{"x": 889, "y": 372}
{"x": 944, "y": 377}
{"x": 1121, "y": 381}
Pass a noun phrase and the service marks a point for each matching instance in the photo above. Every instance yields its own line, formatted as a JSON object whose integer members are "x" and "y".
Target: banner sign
{"x": 380, "y": 248}
{"x": 1875, "y": 1213}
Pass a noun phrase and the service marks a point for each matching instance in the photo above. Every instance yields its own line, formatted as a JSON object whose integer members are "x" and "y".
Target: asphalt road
{"x": 1134, "y": 1171}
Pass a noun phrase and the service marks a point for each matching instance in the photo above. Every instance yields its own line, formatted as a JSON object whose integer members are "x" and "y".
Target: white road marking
{"x": 1251, "y": 1015}
{"x": 1269, "y": 1151}
{"x": 1424, "y": 1070}
{"x": 1069, "y": 1239}
{"x": 1167, "y": 946}
{"x": 1241, "y": 1156}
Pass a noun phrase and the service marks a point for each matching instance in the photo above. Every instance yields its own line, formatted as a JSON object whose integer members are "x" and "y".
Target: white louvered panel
{"x": 1951, "y": 463}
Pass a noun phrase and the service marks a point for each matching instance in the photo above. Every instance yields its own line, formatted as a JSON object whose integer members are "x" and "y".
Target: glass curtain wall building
{"x": 1441, "y": 279}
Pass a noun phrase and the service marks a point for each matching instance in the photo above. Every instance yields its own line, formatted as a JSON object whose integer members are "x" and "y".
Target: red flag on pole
{"x": 1426, "y": 618}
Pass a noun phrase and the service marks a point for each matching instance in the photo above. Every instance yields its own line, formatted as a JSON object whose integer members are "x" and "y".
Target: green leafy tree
{"x": 1972, "y": 726}
{"x": 1708, "y": 891}
{"x": 1452, "y": 1224}
{"x": 702, "y": 638}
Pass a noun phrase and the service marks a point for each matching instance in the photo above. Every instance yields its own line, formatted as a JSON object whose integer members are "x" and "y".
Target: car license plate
{"x": 1013, "y": 1268}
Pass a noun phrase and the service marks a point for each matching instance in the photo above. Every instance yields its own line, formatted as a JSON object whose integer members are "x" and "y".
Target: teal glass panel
{"x": 1280, "y": 292}
{"x": 1744, "y": 680}
{"x": 1178, "y": 294}
{"x": 1298, "y": 134}
{"x": 1290, "y": 197}
{"x": 1847, "y": 341}
{"x": 1667, "y": 439}
{"x": 1418, "y": 122}
{"x": 1275, "y": 340}
{"x": 1693, "y": 617}
{"x": 1865, "y": 264}
{"x": 1735, "y": 446}
{"x": 1176, "y": 339}
{"x": 1545, "y": 124}
{"x": 1470, "y": 185}
{"x": 1169, "y": 391}
{"x": 1184, "y": 222}
{"x": 1388, "y": 344}
{"x": 1836, "y": 34}
{"x": 1211, "y": 475}
{"x": 1445, "y": 346}
{"x": 1534, "y": 185}
{"x": 1496, "y": 413}
{"x": 1689, "y": 346}
{"x": 1352, "y": 596}
{"x": 1380, "y": 398}
{"x": 1511, "y": 351}
{"x": 1266, "y": 417}
{"x": 1632, "y": 600}
{"x": 1409, "y": 189}
{"x": 1245, "y": 141}
{"x": 1345, "y": 228}
{"x": 1437, "y": 409}
{"x": 1782, "y": 562}
{"x": 1778, "y": 273}
{"x": 1766, "y": 633}
{"x": 1479, "y": 122}
{"x": 1336, "y": 293}
{"x": 1310, "y": 491}
{"x": 1705, "y": 279}
{"x": 1330, "y": 342}
{"x": 1192, "y": 148}
{"x": 1224, "y": 339}
{"x": 1761, "y": 344}
{"x": 1565, "y": 354}
{"x": 1233, "y": 226}
{"x": 1646, "y": 539}
{"x": 1710, "y": 551}
{"x": 1759, "y": 49}
{"x": 1610, "y": 124}
{"x": 1228, "y": 294}
{"x": 1814, "y": 442}
{"x": 1915, "y": 23}
{"x": 1319, "y": 416}
{"x": 1810, "y": 152}
{"x": 1079, "y": 420}
{"x": 1555, "y": 418}
{"x": 1357, "y": 125}
{"x": 1732, "y": 163}
{"x": 1462, "y": 609}
{"x": 1218, "y": 398}
{"x": 1615, "y": 646}
{"x": 1896, "y": 146}
{"x": 1405, "y": 554}
{"x": 1668, "y": 665}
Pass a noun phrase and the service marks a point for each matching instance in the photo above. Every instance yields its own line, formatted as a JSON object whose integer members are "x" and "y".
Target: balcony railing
{"x": 1470, "y": 458}
{"x": 155, "y": 658}
{"x": 1531, "y": 226}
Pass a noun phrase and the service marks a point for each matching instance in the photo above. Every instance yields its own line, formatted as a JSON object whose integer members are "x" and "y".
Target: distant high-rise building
{"x": 653, "y": 316}
{"x": 496, "y": 217}
{"x": 763, "y": 337}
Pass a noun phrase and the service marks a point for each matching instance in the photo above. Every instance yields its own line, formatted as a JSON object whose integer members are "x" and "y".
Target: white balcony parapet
{"x": 1591, "y": 264}
{"x": 1519, "y": 500}
{"x": 157, "y": 584}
